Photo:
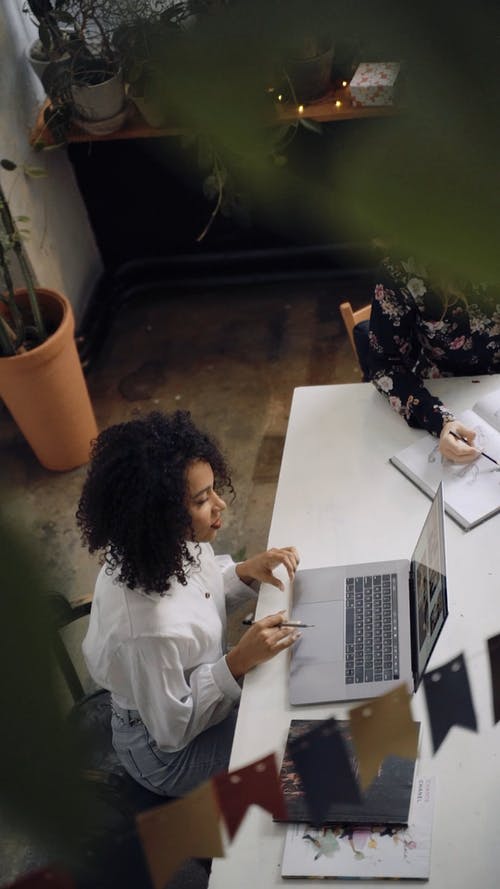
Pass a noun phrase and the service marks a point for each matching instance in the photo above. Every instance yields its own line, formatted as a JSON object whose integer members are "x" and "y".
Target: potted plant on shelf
{"x": 142, "y": 40}
{"x": 85, "y": 82}
{"x": 309, "y": 67}
{"x": 41, "y": 378}
{"x": 55, "y": 31}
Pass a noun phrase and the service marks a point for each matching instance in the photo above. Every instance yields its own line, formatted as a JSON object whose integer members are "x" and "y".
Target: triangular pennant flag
{"x": 494, "y": 653}
{"x": 256, "y": 784}
{"x": 449, "y": 700}
{"x": 45, "y": 878}
{"x": 186, "y": 828}
{"x": 325, "y": 769}
{"x": 381, "y": 727}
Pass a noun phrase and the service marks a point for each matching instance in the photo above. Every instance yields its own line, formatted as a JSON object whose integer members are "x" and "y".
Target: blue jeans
{"x": 170, "y": 774}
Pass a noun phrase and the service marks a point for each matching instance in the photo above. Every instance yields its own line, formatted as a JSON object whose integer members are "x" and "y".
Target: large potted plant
{"x": 41, "y": 378}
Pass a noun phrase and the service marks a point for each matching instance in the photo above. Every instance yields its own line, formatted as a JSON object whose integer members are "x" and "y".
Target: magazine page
{"x": 367, "y": 852}
{"x": 488, "y": 407}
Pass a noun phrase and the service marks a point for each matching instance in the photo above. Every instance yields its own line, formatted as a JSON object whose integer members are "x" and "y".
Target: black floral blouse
{"x": 418, "y": 333}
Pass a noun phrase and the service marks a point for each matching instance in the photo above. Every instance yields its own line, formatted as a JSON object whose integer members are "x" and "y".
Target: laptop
{"x": 374, "y": 625}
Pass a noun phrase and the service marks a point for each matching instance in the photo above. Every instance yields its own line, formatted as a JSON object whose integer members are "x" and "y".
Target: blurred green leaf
{"x": 34, "y": 172}
{"x": 428, "y": 175}
{"x": 41, "y": 789}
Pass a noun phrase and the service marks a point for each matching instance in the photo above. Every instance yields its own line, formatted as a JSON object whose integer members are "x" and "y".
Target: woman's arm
{"x": 394, "y": 348}
{"x": 394, "y": 352}
{"x": 264, "y": 640}
{"x": 261, "y": 566}
{"x": 175, "y": 704}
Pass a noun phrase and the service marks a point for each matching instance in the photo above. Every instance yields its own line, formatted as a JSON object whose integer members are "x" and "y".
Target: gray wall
{"x": 61, "y": 246}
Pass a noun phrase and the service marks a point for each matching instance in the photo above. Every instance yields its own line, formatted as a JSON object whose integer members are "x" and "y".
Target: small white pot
{"x": 36, "y": 58}
{"x": 100, "y": 101}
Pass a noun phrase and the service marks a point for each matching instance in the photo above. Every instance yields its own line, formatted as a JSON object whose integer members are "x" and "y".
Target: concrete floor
{"x": 232, "y": 357}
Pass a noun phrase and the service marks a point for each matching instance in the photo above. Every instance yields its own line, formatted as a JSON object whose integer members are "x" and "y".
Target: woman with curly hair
{"x": 151, "y": 505}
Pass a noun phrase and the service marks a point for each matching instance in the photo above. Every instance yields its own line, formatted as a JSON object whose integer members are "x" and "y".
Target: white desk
{"x": 340, "y": 501}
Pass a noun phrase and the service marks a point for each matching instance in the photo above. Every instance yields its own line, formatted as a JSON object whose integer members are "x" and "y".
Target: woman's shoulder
{"x": 402, "y": 271}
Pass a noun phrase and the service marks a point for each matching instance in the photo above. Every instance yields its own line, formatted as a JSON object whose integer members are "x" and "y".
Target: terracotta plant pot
{"x": 45, "y": 390}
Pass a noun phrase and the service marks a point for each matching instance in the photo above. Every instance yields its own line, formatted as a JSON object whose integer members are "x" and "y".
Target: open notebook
{"x": 471, "y": 491}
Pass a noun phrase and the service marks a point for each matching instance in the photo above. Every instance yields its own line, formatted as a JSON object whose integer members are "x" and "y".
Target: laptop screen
{"x": 429, "y": 602}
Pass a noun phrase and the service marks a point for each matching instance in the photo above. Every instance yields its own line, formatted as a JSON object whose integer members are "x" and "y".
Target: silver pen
{"x": 248, "y": 621}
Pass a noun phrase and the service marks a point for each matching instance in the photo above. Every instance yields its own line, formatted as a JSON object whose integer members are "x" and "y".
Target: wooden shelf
{"x": 335, "y": 106}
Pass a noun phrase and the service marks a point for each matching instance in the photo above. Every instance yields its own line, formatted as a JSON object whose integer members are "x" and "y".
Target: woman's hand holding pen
{"x": 265, "y": 639}
{"x": 456, "y": 442}
{"x": 261, "y": 566}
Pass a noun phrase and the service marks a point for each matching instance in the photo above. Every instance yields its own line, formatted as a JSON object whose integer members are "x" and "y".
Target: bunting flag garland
{"x": 380, "y": 727}
{"x": 449, "y": 700}
{"x": 256, "y": 784}
{"x": 190, "y": 827}
{"x": 325, "y": 769}
{"x": 186, "y": 828}
{"x": 494, "y": 655}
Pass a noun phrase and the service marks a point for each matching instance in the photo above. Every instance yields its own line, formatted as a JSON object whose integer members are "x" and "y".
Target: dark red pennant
{"x": 256, "y": 784}
{"x": 46, "y": 878}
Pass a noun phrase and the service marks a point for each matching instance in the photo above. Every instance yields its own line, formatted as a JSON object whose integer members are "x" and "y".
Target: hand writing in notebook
{"x": 456, "y": 442}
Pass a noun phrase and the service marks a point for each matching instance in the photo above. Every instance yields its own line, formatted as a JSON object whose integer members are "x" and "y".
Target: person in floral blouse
{"x": 419, "y": 331}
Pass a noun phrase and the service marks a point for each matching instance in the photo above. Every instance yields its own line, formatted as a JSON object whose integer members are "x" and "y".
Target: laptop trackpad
{"x": 325, "y": 640}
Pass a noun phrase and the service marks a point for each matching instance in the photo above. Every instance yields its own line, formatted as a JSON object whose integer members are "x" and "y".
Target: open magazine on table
{"x": 374, "y": 851}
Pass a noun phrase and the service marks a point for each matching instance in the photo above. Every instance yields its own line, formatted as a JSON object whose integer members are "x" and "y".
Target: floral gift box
{"x": 374, "y": 83}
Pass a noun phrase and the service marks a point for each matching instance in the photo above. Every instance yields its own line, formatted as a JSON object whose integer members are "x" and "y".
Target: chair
{"x": 112, "y": 856}
{"x": 357, "y": 325}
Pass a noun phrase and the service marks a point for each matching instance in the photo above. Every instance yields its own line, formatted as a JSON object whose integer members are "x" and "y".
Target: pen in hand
{"x": 248, "y": 621}
{"x": 483, "y": 454}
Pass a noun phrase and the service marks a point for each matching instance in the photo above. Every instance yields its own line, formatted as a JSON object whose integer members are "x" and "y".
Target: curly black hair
{"x": 133, "y": 502}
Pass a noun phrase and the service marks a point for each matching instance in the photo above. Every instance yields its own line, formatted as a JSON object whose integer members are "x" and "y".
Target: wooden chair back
{"x": 351, "y": 318}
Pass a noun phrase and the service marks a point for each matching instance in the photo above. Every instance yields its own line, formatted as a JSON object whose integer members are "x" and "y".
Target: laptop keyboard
{"x": 371, "y": 631}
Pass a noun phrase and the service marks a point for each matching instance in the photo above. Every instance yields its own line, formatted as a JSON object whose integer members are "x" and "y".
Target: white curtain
{"x": 61, "y": 245}
{"x": 20, "y": 90}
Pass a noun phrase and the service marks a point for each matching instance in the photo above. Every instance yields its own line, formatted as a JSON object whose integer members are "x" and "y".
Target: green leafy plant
{"x": 18, "y": 333}
{"x": 55, "y": 27}
{"x": 142, "y": 40}
{"x": 76, "y": 37}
